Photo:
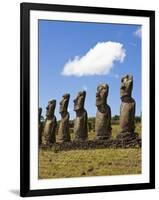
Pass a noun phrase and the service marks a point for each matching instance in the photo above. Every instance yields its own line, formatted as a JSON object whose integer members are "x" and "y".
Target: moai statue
{"x": 40, "y": 125}
{"x": 48, "y": 136}
{"x": 127, "y": 109}
{"x": 63, "y": 132}
{"x": 103, "y": 115}
{"x": 80, "y": 122}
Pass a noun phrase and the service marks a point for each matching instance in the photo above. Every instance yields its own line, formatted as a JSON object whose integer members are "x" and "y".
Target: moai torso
{"x": 127, "y": 116}
{"x": 63, "y": 132}
{"x": 80, "y": 122}
{"x": 103, "y": 115}
{"x": 127, "y": 108}
{"x": 48, "y": 136}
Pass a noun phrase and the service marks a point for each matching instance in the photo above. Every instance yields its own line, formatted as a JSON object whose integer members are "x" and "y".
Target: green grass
{"x": 98, "y": 162}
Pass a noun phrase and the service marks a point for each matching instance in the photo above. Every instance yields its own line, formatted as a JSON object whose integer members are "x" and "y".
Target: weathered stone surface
{"x": 95, "y": 144}
{"x": 80, "y": 122}
{"x": 63, "y": 132}
{"x": 127, "y": 109}
{"x": 48, "y": 136}
{"x": 103, "y": 115}
{"x": 40, "y": 125}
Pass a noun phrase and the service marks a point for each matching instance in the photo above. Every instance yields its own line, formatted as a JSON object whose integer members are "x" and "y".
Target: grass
{"x": 98, "y": 162}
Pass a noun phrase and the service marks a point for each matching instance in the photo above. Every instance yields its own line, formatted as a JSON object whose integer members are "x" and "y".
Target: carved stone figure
{"x": 127, "y": 109}
{"x": 40, "y": 125}
{"x": 63, "y": 132}
{"x": 103, "y": 115}
{"x": 48, "y": 136}
{"x": 80, "y": 122}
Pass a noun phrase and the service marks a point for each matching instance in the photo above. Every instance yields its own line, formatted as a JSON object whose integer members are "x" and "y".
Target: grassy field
{"x": 96, "y": 162}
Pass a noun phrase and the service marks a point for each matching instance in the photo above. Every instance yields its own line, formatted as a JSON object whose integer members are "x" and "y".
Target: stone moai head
{"x": 101, "y": 95}
{"x": 40, "y": 112}
{"x": 64, "y": 103}
{"x": 126, "y": 86}
{"x": 50, "y": 109}
{"x": 79, "y": 101}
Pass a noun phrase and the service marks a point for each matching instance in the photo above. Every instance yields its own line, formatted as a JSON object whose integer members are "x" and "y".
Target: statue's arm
{"x": 53, "y": 130}
{"x": 85, "y": 121}
{"x": 133, "y": 115}
{"x": 109, "y": 118}
{"x": 54, "y": 124}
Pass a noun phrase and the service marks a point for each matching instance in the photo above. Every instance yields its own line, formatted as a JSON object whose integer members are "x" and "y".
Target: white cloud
{"x": 138, "y": 32}
{"x": 99, "y": 60}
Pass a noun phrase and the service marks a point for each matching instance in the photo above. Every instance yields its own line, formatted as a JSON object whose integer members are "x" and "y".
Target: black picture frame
{"x": 25, "y": 9}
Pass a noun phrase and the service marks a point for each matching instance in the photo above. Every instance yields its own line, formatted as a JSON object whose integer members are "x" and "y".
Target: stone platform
{"x": 94, "y": 144}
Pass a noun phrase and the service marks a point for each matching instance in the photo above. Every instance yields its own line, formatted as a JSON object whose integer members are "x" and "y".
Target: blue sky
{"x": 60, "y": 42}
